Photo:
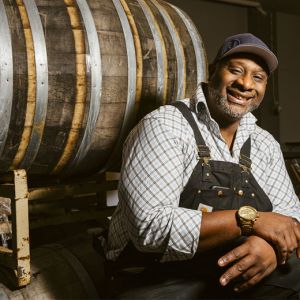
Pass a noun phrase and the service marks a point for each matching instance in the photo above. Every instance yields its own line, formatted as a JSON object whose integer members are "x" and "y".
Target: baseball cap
{"x": 247, "y": 43}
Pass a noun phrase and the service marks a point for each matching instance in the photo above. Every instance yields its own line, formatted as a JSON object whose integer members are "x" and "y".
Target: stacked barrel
{"x": 76, "y": 76}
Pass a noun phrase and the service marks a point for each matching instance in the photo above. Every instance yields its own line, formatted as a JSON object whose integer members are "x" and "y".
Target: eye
{"x": 259, "y": 78}
{"x": 236, "y": 71}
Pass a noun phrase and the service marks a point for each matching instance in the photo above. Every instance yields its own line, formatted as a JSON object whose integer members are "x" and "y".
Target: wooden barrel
{"x": 71, "y": 269}
{"x": 76, "y": 76}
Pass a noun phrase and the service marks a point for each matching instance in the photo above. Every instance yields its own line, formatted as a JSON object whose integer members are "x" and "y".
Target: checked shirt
{"x": 159, "y": 156}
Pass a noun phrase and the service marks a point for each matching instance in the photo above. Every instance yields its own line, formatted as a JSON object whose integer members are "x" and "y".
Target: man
{"x": 204, "y": 194}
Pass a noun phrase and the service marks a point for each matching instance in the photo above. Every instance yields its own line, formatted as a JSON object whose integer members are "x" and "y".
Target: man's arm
{"x": 152, "y": 179}
{"x": 279, "y": 230}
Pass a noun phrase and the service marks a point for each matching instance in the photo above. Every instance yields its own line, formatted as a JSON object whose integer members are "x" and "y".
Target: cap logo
{"x": 233, "y": 44}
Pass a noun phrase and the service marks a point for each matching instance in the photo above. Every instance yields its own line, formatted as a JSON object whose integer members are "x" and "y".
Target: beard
{"x": 221, "y": 103}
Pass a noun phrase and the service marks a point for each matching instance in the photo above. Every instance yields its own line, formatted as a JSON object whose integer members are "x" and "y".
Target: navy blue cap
{"x": 248, "y": 43}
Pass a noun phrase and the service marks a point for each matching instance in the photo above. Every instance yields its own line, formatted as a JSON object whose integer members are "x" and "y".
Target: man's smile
{"x": 238, "y": 97}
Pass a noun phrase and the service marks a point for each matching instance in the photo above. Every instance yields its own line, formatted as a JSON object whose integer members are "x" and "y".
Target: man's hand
{"x": 281, "y": 231}
{"x": 251, "y": 262}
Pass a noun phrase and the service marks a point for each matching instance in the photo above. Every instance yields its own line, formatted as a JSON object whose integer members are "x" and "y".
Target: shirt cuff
{"x": 184, "y": 235}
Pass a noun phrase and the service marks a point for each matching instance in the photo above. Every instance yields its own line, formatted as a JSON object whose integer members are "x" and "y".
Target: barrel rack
{"x": 47, "y": 198}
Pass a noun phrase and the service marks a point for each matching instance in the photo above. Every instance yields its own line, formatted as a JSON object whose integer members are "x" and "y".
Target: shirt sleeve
{"x": 149, "y": 192}
{"x": 279, "y": 185}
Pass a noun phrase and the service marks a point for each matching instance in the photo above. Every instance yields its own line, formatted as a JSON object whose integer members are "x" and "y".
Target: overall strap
{"x": 245, "y": 161}
{"x": 203, "y": 150}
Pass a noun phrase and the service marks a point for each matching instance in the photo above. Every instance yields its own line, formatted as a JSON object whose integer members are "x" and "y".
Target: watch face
{"x": 248, "y": 213}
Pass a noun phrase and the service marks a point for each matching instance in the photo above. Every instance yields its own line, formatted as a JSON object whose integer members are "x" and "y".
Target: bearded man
{"x": 204, "y": 196}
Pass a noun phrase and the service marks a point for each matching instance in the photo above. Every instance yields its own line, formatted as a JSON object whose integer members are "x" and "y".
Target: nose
{"x": 246, "y": 82}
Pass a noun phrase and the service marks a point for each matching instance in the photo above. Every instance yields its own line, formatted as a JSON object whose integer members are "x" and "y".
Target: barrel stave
{"x": 61, "y": 82}
{"x": 17, "y": 120}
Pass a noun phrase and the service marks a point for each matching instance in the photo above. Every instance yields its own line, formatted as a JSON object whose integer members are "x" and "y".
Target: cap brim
{"x": 268, "y": 56}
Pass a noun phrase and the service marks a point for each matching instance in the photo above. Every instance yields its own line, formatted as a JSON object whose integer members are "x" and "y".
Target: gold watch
{"x": 246, "y": 217}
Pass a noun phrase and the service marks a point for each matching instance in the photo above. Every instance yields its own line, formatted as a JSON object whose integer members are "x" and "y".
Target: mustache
{"x": 222, "y": 102}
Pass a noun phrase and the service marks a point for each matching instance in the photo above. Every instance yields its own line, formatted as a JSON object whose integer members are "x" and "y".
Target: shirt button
{"x": 220, "y": 193}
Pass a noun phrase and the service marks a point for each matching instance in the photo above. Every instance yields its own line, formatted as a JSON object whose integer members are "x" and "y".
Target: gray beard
{"x": 222, "y": 103}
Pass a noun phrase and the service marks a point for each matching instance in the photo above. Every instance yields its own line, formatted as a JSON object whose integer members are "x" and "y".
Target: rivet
{"x": 220, "y": 193}
{"x": 246, "y": 181}
{"x": 207, "y": 174}
{"x": 240, "y": 193}
{"x": 253, "y": 195}
{"x": 199, "y": 191}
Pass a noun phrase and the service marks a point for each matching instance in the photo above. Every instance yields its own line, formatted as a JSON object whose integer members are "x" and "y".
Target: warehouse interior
{"x": 51, "y": 233}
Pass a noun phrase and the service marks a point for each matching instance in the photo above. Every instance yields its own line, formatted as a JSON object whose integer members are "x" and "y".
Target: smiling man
{"x": 205, "y": 200}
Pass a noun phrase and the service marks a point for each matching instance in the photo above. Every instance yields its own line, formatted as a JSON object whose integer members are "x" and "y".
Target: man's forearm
{"x": 218, "y": 228}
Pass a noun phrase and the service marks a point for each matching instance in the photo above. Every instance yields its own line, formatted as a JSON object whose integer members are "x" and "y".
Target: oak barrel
{"x": 76, "y": 76}
{"x": 69, "y": 269}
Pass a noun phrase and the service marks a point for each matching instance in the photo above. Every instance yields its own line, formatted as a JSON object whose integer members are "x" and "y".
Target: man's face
{"x": 236, "y": 87}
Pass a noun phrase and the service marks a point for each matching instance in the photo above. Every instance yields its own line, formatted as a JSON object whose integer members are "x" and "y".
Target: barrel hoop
{"x": 132, "y": 67}
{"x": 81, "y": 87}
{"x": 161, "y": 54}
{"x": 75, "y": 264}
{"x": 138, "y": 51}
{"x": 31, "y": 88}
{"x": 95, "y": 69}
{"x": 41, "y": 84}
{"x": 201, "y": 59}
{"x": 180, "y": 57}
{"x": 129, "y": 116}
{"x": 41, "y": 67}
{"x": 6, "y": 78}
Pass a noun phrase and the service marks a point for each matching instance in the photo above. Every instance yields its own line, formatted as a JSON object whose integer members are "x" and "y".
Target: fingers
{"x": 248, "y": 263}
{"x": 247, "y": 272}
{"x": 286, "y": 248}
{"x": 281, "y": 249}
{"x": 297, "y": 233}
{"x": 233, "y": 255}
{"x": 241, "y": 267}
{"x": 251, "y": 278}
{"x": 235, "y": 271}
{"x": 282, "y": 231}
{"x": 287, "y": 241}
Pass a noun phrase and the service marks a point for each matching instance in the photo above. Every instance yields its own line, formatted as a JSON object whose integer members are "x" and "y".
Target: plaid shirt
{"x": 159, "y": 156}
